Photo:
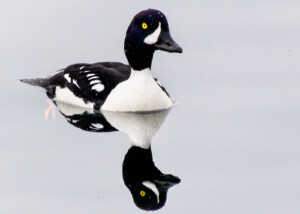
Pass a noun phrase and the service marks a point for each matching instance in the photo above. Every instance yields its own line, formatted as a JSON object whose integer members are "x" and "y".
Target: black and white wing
{"x": 93, "y": 82}
{"x": 90, "y": 122}
{"x": 83, "y": 118}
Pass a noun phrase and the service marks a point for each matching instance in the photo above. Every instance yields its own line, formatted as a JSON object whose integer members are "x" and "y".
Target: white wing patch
{"x": 98, "y": 87}
{"x": 95, "y": 82}
{"x": 93, "y": 77}
{"x": 75, "y": 82}
{"x": 96, "y": 125}
{"x": 153, "y": 37}
{"x": 67, "y": 77}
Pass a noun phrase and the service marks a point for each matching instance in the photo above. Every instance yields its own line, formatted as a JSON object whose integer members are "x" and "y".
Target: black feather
{"x": 41, "y": 82}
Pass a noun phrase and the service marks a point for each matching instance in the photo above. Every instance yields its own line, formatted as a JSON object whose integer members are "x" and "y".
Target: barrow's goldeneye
{"x": 114, "y": 86}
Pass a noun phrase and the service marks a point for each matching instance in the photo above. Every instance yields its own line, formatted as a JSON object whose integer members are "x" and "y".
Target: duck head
{"x": 148, "y": 32}
{"x": 147, "y": 184}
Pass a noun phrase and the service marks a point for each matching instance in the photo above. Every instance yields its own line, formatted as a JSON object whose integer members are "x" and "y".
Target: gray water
{"x": 233, "y": 138}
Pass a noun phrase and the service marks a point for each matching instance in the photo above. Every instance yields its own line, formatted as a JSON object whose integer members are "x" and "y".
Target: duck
{"x": 114, "y": 86}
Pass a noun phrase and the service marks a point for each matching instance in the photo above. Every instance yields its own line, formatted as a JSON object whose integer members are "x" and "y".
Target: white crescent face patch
{"x": 153, "y": 37}
{"x": 152, "y": 186}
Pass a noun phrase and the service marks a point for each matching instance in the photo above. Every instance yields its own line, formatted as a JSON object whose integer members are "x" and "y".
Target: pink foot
{"x": 51, "y": 109}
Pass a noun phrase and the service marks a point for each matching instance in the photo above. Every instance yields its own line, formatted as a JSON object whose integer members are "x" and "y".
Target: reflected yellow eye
{"x": 142, "y": 193}
{"x": 144, "y": 26}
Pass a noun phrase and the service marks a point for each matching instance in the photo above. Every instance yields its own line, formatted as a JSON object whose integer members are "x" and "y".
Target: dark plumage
{"x": 138, "y": 166}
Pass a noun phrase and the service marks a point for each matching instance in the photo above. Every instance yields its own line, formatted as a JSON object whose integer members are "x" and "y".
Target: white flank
{"x": 70, "y": 110}
{"x": 67, "y": 77}
{"x": 66, "y": 96}
{"x": 139, "y": 93}
{"x": 98, "y": 87}
{"x": 89, "y": 75}
{"x": 81, "y": 67}
{"x": 153, "y": 37}
{"x": 152, "y": 186}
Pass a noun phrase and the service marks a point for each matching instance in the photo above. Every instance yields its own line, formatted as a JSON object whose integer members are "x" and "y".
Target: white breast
{"x": 139, "y": 93}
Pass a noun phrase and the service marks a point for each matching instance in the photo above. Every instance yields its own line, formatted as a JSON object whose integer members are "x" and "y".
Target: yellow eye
{"x": 142, "y": 193}
{"x": 144, "y": 26}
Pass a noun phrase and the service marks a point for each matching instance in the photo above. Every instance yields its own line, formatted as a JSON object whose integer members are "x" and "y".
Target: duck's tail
{"x": 41, "y": 82}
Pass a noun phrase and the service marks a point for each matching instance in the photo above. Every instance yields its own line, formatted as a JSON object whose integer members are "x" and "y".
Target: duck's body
{"x": 86, "y": 85}
{"x": 114, "y": 86}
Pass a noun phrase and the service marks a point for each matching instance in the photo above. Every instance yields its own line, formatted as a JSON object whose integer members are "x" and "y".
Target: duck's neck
{"x": 139, "y": 73}
{"x": 139, "y": 57}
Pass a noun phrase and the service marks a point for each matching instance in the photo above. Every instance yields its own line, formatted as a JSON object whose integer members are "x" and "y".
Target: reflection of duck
{"x": 147, "y": 184}
{"x": 115, "y": 86}
{"x": 84, "y": 118}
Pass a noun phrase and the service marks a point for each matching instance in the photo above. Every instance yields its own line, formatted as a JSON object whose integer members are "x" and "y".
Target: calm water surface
{"x": 233, "y": 139}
